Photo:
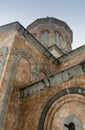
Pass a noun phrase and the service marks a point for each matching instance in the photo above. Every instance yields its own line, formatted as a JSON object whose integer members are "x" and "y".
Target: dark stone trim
{"x": 7, "y": 90}
{"x": 72, "y": 54}
{"x": 53, "y": 80}
{"x": 76, "y": 90}
{"x": 10, "y": 27}
{"x": 10, "y": 80}
{"x": 16, "y": 26}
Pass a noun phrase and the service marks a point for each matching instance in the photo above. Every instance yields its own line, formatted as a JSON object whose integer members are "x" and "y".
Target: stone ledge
{"x": 53, "y": 80}
{"x": 71, "y": 54}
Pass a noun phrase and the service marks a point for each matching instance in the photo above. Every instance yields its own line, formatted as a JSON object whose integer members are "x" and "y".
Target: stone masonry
{"x": 42, "y": 84}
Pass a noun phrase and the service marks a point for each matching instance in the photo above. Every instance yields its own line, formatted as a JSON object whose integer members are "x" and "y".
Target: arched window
{"x": 57, "y": 38}
{"x": 45, "y": 36}
{"x": 67, "y": 44}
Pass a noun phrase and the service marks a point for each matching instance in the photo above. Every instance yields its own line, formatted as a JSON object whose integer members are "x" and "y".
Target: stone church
{"x": 42, "y": 80}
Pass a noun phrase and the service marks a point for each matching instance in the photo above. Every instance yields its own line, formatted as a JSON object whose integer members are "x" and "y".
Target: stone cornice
{"x": 72, "y": 54}
{"x": 53, "y": 80}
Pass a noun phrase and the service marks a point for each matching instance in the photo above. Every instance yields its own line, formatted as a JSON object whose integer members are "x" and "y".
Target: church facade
{"x": 42, "y": 80}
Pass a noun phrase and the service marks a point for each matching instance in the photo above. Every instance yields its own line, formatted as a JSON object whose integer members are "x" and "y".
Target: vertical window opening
{"x": 57, "y": 38}
{"x": 45, "y": 37}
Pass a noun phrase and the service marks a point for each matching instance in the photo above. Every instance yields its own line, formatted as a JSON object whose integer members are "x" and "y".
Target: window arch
{"x": 55, "y": 109}
{"x": 45, "y": 36}
{"x": 57, "y": 38}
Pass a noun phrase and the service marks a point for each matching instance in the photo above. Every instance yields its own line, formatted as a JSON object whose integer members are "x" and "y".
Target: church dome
{"x": 51, "y": 31}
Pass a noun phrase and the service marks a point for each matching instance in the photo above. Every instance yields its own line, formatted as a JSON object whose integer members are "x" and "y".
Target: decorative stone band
{"x": 72, "y": 54}
{"x": 76, "y": 90}
{"x": 53, "y": 80}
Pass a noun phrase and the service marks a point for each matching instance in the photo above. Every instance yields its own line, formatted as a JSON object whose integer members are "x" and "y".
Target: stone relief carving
{"x": 72, "y": 122}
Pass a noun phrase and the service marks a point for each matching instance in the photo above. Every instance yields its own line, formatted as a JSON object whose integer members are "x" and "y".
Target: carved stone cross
{"x": 70, "y": 126}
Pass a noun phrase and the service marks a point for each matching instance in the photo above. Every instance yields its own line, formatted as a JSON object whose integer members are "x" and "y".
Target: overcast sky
{"x": 26, "y": 11}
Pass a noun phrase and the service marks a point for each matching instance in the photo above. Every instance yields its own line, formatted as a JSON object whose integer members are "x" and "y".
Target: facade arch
{"x": 58, "y": 108}
{"x": 43, "y": 71}
{"x": 25, "y": 67}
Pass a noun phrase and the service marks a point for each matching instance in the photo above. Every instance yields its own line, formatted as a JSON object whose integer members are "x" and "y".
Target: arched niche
{"x": 24, "y": 68}
{"x": 43, "y": 71}
{"x": 66, "y": 107}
